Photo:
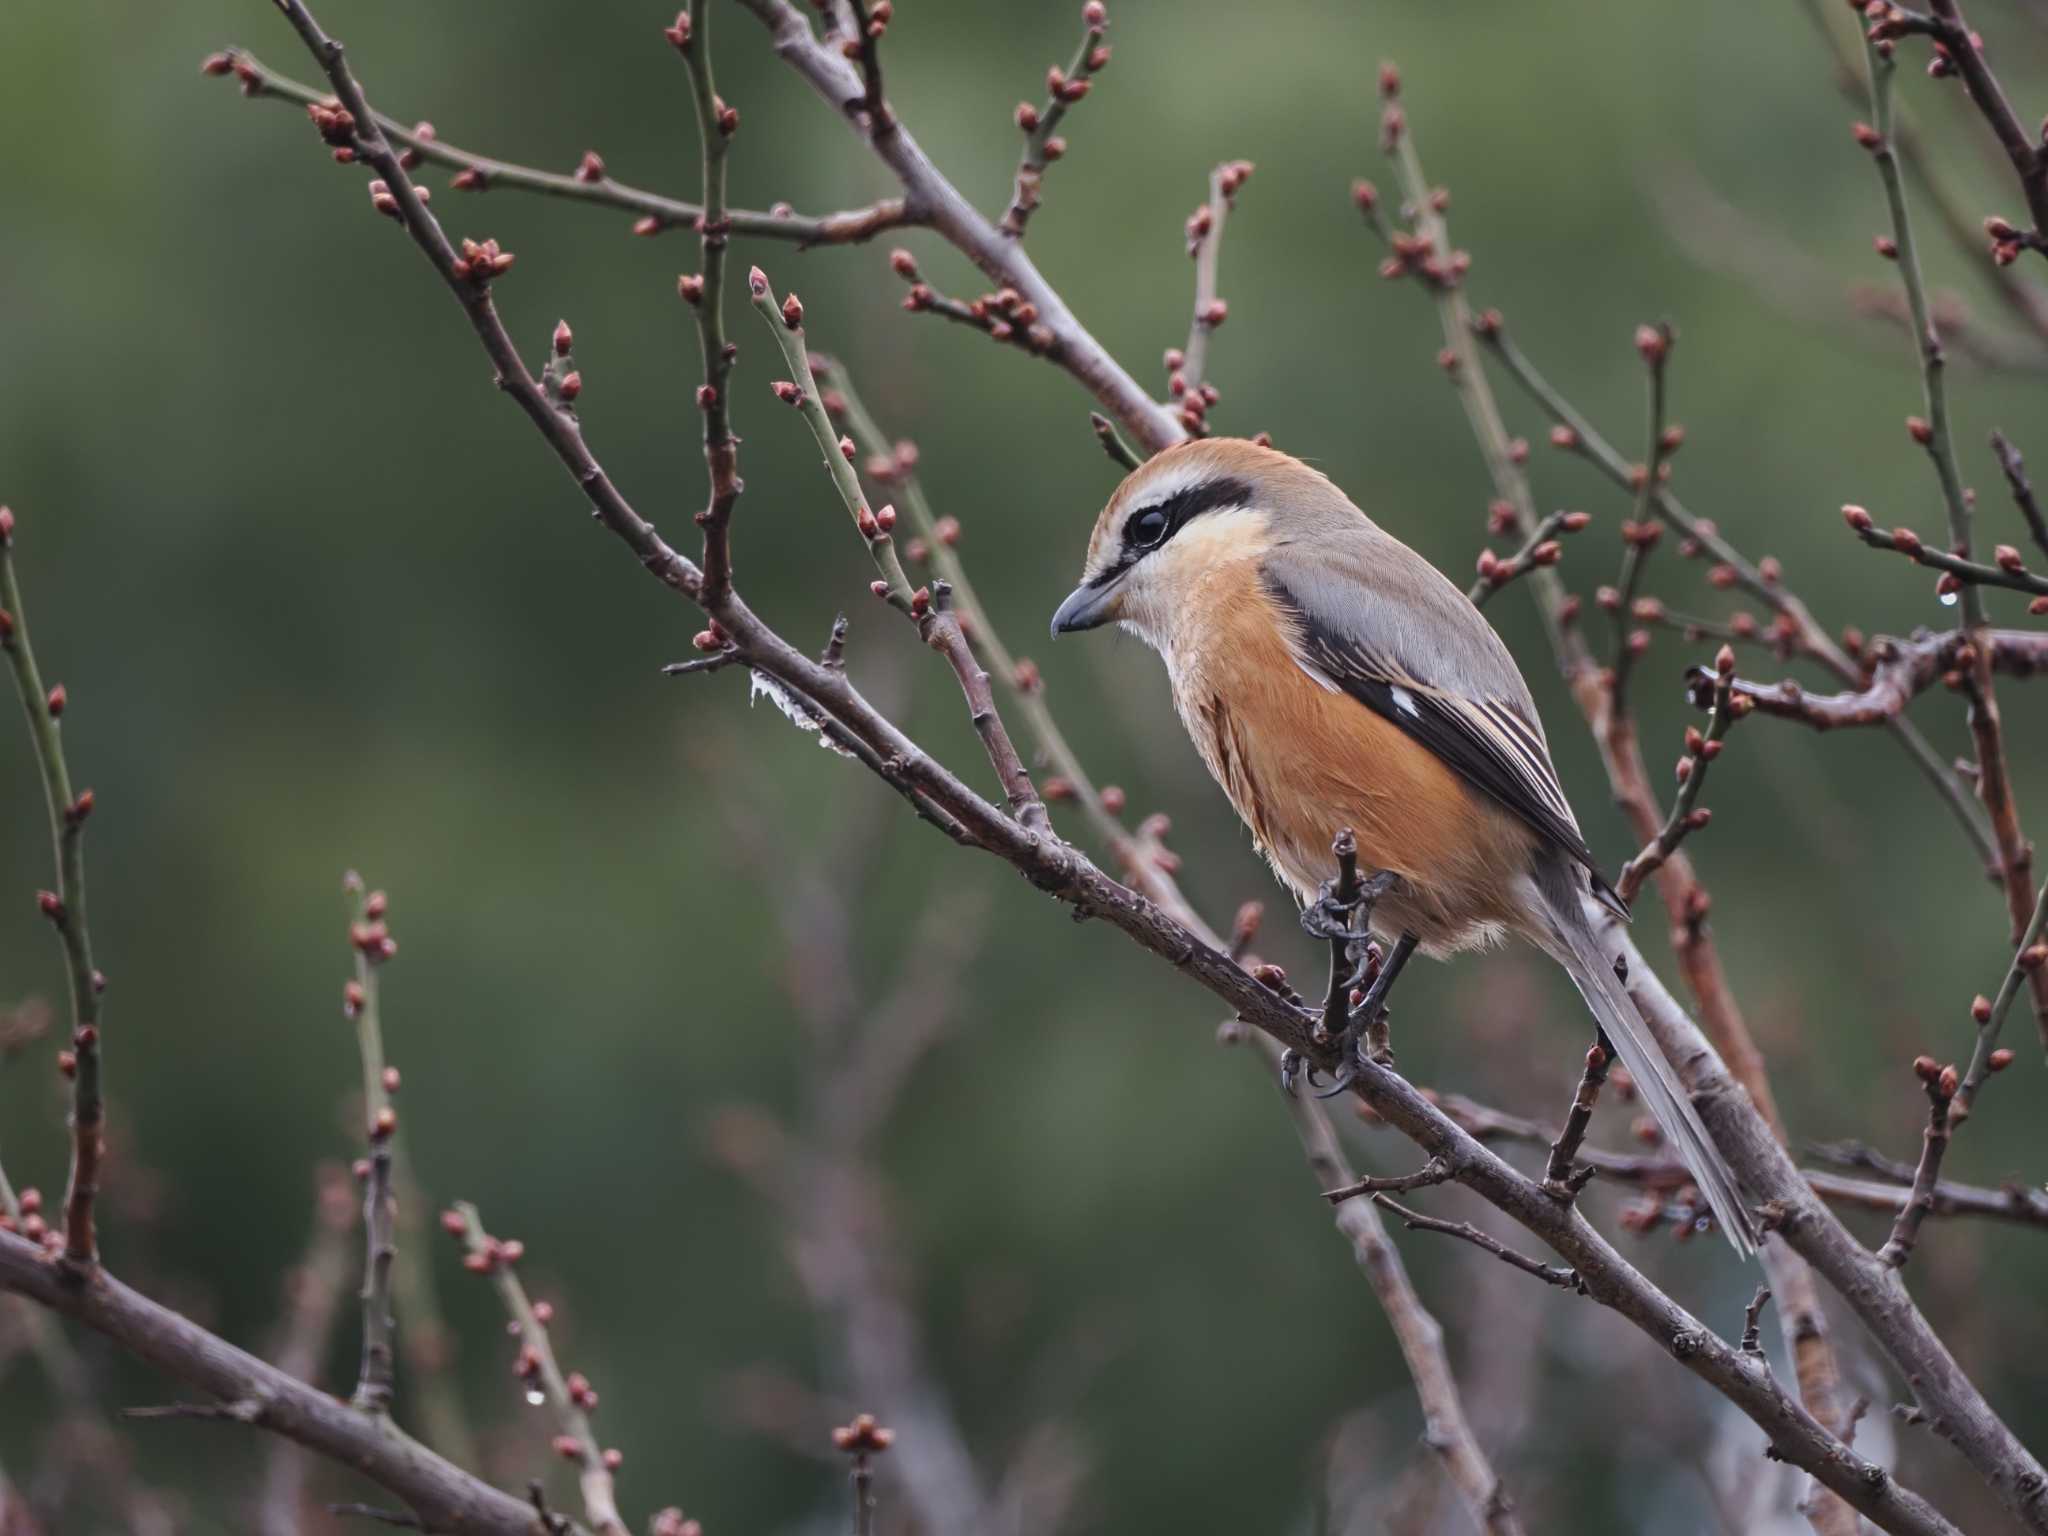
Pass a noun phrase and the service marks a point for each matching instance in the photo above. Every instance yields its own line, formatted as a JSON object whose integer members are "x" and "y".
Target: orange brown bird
{"x": 1332, "y": 678}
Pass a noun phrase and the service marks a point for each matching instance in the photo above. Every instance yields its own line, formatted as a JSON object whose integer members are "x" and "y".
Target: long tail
{"x": 1576, "y": 947}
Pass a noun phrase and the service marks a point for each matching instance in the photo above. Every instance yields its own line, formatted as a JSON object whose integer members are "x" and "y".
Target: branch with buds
{"x": 64, "y": 907}
{"x": 1040, "y": 124}
{"x": 570, "y": 1396}
{"x": 590, "y": 183}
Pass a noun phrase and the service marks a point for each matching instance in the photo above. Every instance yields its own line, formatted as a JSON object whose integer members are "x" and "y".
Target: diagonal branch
{"x": 1001, "y": 258}
{"x": 480, "y": 172}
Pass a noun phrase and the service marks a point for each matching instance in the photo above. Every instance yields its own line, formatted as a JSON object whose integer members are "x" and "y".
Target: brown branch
{"x": 2013, "y": 1203}
{"x": 1639, "y": 534}
{"x": 64, "y": 907}
{"x": 1549, "y": 1274}
{"x": 1941, "y": 1084}
{"x": 1040, "y": 125}
{"x": 1188, "y": 367}
{"x": 1000, "y": 257}
{"x": 1967, "y": 573}
{"x": 1701, "y": 748}
{"x": 1434, "y": 1172}
{"x": 1541, "y": 549}
{"x": 1559, "y": 1173}
{"x": 2015, "y": 471}
{"x": 1900, "y": 671}
{"x": 440, "y": 1493}
{"x": 2030, "y": 958}
{"x": 1962, "y": 52}
{"x": 570, "y": 1397}
{"x": 477, "y": 172}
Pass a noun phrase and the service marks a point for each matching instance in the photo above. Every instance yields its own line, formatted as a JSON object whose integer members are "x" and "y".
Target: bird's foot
{"x": 1337, "y": 915}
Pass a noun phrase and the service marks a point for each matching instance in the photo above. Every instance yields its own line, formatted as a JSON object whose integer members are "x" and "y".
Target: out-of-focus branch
{"x": 2015, "y": 471}
{"x": 999, "y": 256}
{"x": 1447, "y": 1432}
{"x": 1639, "y": 534}
{"x": 1540, "y": 549}
{"x": 1040, "y": 125}
{"x": 570, "y": 1397}
{"x": 588, "y": 184}
{"x": 312, "y": 1301}
{"x": 64, "y": 907}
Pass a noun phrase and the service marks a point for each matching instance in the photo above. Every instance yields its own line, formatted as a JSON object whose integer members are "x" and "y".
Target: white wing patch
{"x": 1404, "y": 699}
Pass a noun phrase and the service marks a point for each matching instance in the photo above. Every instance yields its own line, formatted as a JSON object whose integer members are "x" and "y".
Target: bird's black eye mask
{"x": 1152, "y": 525}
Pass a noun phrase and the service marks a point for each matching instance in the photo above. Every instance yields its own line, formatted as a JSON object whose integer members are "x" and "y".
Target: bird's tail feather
{"x": 1578, "y": 949}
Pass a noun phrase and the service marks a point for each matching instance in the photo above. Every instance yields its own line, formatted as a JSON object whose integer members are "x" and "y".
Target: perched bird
{"x": 1332, "y": 678}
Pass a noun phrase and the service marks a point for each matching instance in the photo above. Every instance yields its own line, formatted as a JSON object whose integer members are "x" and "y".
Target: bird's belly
{"x": 1300, "y": 764}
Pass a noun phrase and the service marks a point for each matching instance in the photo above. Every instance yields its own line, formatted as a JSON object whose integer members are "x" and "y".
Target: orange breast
{"x": 1300, "y": 763}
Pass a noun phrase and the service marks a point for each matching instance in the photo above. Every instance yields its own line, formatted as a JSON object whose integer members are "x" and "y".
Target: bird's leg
{"x": 1342, "y": 914}
{"x": 1371, "y": 1012}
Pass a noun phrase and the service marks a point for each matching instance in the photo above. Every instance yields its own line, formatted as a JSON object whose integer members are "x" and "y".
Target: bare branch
{"x": 1940, "y": 1083}
{"x": 1040, "y": 125}
{"x": 64, "y": 907}
{"x": 371, "y": 940}
{"x": 999, "y": 256}
{"x": 571, "y": 1397}
{"x": 590, "y": 183}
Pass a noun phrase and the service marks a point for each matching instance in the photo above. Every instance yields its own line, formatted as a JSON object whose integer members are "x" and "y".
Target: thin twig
{"x": 1000, "y": 256}
{"x": 1540, "y": 549}
{"x": 1639, "y": 536}
{"x": 1435, "y": 1172}
{"x": 569, "y": 1397}
{"x": 1119, "y": 451}
{"x": 1752, "y": 1315}
{"x": 371, "y": 940}
{"x": 1560, "y": 1175}
{"x": 64, "y": 907}
{"x": 1940, "y": 1083}
{"x": 657, "y": 213}
{"x": 1549, "y": 1274}
{"x": 2015, "y": 470}
{"x": 705, "y": 293}
{"x": 1189, "y": 383}
{"x": 1687, "y": 814}
{"x": 1900, "y": 671}
{"x": 1040, "y": 125}
{"x": 2030, "y": 957}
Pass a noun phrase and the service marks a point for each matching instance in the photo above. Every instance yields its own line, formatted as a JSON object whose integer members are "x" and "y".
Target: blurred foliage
{"x": 323, "y": 602}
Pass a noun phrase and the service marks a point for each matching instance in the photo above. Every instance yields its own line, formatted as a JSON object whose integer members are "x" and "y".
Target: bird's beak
{"x": 1085, "y": 608}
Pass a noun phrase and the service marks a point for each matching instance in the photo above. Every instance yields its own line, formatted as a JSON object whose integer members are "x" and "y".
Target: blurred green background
{"x": 323, "y": 602}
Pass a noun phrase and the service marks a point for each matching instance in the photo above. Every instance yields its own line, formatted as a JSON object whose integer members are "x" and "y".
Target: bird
{"x": 1333, "y": 680}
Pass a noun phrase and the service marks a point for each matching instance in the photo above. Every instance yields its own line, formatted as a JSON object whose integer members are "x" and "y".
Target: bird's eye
{"x": 1148, "y": 528}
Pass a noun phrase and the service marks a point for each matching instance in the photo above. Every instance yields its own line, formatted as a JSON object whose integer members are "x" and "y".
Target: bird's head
{"x": 1182, "y": 517}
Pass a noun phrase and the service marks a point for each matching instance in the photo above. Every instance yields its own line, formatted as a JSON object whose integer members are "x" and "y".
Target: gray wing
{"x": 1376, "y": 621}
